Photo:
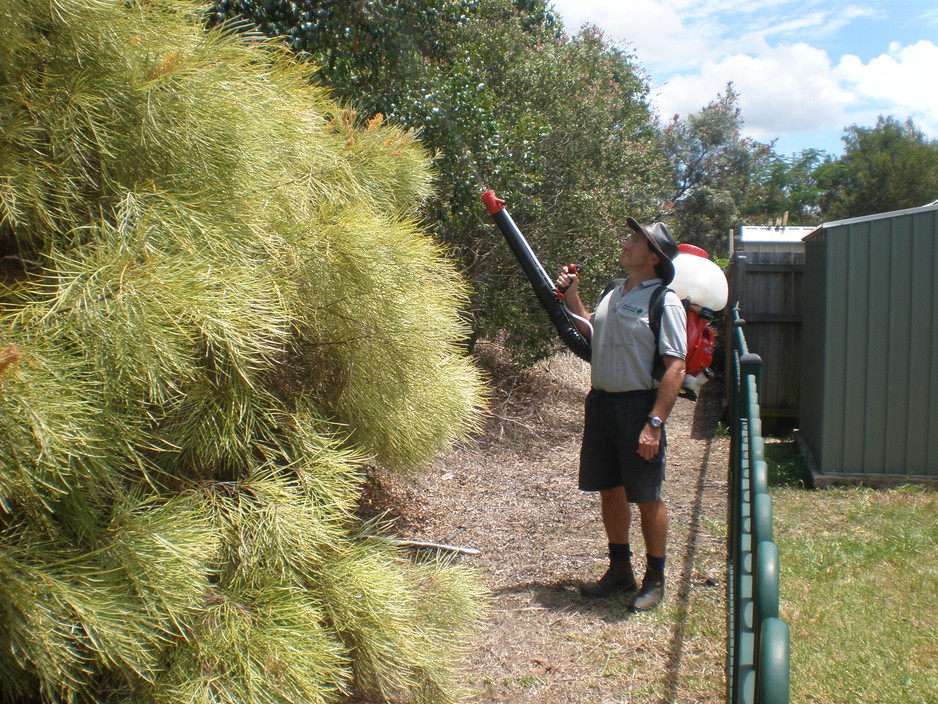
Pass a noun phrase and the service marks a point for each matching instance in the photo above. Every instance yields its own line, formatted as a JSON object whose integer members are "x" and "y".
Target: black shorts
{"x": 609, "y": 455}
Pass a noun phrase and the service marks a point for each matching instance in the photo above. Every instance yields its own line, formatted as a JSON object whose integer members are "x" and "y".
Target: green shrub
{"x": 216, "y": 306}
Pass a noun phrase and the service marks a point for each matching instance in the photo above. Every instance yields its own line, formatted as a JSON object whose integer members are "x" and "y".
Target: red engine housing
{"x": 700, "y": 341}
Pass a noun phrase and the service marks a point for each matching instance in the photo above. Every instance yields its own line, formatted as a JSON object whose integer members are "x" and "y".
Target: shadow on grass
{"x": 564, "y": 596}
{"x": 676, "y": 645}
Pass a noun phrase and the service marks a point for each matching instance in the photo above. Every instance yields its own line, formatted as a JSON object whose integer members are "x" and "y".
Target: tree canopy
{"x": 715, "y": 171}
{"x": 723, "y": 179}
{"x": 786, "y": 186}
{"x": 889, "y": 166}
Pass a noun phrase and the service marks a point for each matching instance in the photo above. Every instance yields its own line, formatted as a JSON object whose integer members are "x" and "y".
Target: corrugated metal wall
{"x": 869, "y": 392}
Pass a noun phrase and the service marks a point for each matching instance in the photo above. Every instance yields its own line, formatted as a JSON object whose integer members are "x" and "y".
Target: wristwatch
{"x": 655, "y": 422}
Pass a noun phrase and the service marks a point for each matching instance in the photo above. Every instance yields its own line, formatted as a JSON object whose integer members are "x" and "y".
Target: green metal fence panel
{"x": 758, "y": 656}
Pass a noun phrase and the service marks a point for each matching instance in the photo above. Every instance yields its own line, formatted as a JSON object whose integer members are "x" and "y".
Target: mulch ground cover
{"x": 511, "y": 494}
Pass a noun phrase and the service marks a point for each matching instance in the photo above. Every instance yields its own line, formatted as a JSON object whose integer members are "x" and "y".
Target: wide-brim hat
{"x": 662, "y": 242}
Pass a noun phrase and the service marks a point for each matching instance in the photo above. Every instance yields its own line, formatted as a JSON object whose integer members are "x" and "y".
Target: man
{"x": 623, "y": 451}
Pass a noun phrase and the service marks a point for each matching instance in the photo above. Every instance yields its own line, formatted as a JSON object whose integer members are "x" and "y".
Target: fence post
{"x": 752, "y": 364}
{"x": 762, "y": 519}
{"x": 759, "y": 477}
{"x": 765, "y": 598}
{"x": 774, "y": 663}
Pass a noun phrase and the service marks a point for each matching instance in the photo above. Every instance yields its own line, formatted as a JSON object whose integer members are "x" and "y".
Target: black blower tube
{"x": 543, "y": 286}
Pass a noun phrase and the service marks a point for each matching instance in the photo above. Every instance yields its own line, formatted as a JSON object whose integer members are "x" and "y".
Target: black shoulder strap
{"x": 655, "y": 311}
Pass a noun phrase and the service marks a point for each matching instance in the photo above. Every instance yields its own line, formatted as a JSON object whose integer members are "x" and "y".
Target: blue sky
{"x": 804, "y": 69}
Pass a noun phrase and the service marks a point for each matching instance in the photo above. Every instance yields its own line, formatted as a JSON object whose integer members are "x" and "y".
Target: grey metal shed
{"x": 869, "y": 371}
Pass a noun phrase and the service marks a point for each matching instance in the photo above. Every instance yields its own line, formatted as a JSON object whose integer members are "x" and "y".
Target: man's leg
{"x": 616, "y": 513}
{"x": 654, "y": 520}
{"x": 617, "y": 517}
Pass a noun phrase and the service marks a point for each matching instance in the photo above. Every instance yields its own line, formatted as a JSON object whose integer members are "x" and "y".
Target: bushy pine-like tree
{"x": 216, "y": 306}
{"x": 717, "y": 171}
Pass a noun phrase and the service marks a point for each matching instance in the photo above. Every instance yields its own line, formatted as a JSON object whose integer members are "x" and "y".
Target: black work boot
{"x": 651, "y": 593}
{"x": 618, "y": 578}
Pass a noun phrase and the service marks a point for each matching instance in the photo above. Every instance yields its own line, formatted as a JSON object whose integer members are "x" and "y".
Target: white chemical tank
{"x": 699, "y": 279}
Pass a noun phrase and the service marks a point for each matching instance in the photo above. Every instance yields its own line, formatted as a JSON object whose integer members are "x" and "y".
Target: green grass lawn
{"x": 859, "y": 591}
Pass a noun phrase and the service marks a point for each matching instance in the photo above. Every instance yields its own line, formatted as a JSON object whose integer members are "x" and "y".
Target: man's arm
{"x": 650, "y": 438}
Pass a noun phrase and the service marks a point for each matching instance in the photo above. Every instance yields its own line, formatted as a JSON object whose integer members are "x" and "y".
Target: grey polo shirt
{"x": 623, "y": 344}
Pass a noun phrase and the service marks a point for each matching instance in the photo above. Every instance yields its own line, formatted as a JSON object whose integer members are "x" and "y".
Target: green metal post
{"x": 774, "y": 672}
{"x": 762, "y": 519}
{"x": 752, "y": 364}
{"x": 765, "y": 591}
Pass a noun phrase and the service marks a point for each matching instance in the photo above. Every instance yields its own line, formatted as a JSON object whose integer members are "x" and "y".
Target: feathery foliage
{"x": 216, "y": 304}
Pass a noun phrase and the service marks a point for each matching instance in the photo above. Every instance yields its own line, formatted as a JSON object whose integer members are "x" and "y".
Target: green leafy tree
{"x": 890, "y": 166}
{"x": 714, "y": 171}
{"x": 557, "y": 125}
{"x": 216, "y": 306}
{"x": 597, "y": 158}
{"x": 785, "y": 185}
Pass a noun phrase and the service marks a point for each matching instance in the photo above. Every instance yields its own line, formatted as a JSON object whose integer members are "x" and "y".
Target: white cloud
{"x": 680, "y": 35}
{"x": 785, "y": 89}
{"x": 769, "y": 50}
{"x": 903, "y": 80}
{"x": 654, "y": 30}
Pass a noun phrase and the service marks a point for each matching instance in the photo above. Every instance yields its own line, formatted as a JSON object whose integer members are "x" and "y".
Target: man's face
{"x": 636, "y": 252}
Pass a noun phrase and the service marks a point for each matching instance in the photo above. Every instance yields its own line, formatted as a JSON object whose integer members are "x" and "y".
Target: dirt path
{"x": 512, "y": 495}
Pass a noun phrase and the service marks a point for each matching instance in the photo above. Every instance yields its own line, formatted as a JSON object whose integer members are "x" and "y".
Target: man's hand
{"x": 648, "y": 442}
{"x": 568, "y": 281}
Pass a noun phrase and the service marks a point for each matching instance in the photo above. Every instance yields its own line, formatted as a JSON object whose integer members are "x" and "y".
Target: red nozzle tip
{"x": 492, "y": 203}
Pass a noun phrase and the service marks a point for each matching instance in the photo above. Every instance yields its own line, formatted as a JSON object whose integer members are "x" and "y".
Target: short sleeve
{"x": 672, "y": 341}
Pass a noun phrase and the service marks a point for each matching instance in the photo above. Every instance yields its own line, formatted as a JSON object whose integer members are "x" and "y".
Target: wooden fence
{"x": 768, "y": 287}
